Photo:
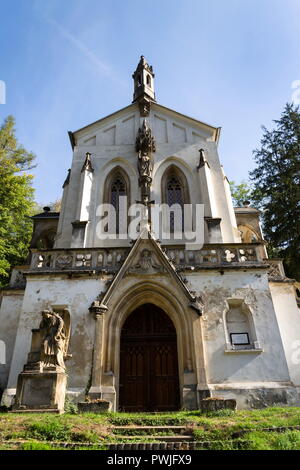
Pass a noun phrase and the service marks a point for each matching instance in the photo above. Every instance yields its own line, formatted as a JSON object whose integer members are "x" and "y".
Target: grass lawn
{"x": 220, "y": 430}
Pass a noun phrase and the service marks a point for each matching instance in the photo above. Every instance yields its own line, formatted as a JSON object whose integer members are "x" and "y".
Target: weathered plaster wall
{"x": 9, "y": 317}
{"x": 75, "y": 294}
{"x": 288, "y": 317}
{"x": 223, "y": 367}
{"x": 253, "y": 377}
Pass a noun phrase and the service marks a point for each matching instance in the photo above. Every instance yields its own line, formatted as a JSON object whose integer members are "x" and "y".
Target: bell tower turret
{"x": 143, "y": 86}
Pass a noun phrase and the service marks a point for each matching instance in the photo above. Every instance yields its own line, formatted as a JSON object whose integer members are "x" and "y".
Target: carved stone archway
{"x": 187, "y": 324}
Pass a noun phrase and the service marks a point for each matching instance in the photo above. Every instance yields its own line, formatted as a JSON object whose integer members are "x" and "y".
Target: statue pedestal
{"x": 40, "y": 391}
{"x": 41, "y": 386}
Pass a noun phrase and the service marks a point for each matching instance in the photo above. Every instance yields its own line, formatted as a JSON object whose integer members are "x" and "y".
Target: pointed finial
{"x": 87, "y": 163}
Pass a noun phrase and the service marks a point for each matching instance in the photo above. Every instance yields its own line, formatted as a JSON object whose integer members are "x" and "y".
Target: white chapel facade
{"x": 150, "y": 323}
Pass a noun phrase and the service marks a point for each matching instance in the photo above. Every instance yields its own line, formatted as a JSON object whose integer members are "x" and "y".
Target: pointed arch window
{"x": 175, "y": 191}
{"x": 116, "y": 187}
{"x": 175, "y": 196}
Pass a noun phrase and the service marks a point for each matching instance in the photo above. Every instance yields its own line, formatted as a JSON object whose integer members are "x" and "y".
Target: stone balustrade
{"x": 78, "y": 259}
{"x": 216, "y": 255}
{"x": 111, "y": 259}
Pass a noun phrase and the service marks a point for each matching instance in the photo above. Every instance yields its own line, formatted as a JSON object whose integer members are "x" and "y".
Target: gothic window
{"x": 148, "y": 80}
{"x": 117, "y": 186}
{"x": 175, "y": 191}
{"x": 118, "y": 189}
{"x": 174, "y": 196}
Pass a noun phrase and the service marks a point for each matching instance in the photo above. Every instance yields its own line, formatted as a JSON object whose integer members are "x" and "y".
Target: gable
{"x": 116, "y": 129}
{"x": 172, "y": 127}
{"x": 147, "y": 261}
{"x": 121, "y": 128}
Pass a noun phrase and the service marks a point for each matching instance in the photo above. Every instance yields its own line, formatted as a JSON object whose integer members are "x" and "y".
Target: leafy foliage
{"x": 54, "y": 206}
{"x": 240, "y": 192}
{"x": 276, "y": 181}
{"x": 16, "y": 199}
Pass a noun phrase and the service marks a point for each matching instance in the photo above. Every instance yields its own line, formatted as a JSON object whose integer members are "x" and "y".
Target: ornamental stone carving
{"x": 145, "y": 142}
{"x": 64, "y": 261}
{"x": 145, "y": 264}
{"x": 144, "y": 146}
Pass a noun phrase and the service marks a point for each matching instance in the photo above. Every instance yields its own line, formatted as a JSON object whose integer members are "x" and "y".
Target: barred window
{"x": 174, "y": 191}
{"x": 118, "y": 189}
{"x": 117, "y": 186}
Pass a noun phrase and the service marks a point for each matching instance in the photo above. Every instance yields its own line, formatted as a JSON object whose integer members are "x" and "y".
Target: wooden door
{"x": 148, "y": 362}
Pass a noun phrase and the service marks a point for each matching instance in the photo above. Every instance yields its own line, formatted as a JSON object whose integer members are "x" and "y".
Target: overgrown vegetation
{"x": 225, "y": 429}
{"x": 274, "y": 188}
{"x": 16, "y": 199}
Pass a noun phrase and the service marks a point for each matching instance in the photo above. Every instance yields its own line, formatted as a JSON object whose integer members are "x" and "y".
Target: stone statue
{"x": 144, "y": 164}
{"x": 144, "y": 146}
{"x": 54, "y": 339}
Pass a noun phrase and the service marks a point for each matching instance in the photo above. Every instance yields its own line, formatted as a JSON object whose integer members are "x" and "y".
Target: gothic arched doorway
{"x": 148, "y": 362}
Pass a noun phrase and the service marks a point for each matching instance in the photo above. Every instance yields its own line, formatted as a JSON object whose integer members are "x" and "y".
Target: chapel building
{"x": 152, "y": 321}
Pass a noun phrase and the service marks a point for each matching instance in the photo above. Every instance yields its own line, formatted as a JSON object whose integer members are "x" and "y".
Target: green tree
{"x": 276, "y": 181}
{"x": 54, "y": 206}
{"x": 16, "y": 199}
{"x": 240, "y": 192}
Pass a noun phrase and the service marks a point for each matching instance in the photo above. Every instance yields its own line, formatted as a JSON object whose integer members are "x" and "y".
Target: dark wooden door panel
{"x": 148, "y": 362}
{"x": 133, "y": 388}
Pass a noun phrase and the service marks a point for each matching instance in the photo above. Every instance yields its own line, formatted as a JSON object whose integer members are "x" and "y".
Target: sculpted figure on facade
{"x": 54, "y": 339}
{"x": 144, "y": 164}
{"x": 144, "y": 146}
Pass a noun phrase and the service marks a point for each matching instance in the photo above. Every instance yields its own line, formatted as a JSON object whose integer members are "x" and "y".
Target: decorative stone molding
{"x": 276, "y": 270}
{"x": 202, "y": 159}
{"x": 197, "y": 304}
{"x": 64, "y": 261}
{"x": 110, "y": 260}
{"x": 98, "y": 308}
{"x": 145, "y": 265}
{"x": 144, "y": 106}
{"x": 144, "y": 146}
{"x": 145, "y": 142}
{"x": 87, "y": 166}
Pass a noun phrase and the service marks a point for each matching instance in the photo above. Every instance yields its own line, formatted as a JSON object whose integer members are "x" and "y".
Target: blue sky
{"x": 67, "y": 63}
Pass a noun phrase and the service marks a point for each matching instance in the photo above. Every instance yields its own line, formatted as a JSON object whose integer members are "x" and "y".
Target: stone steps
{"x": 115, "y": 446}
{"x": 34, "y": 410}
{"x": 150, "y": 429}
{"x": 174, "y": 438}
{"x": 154, "y": 446}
